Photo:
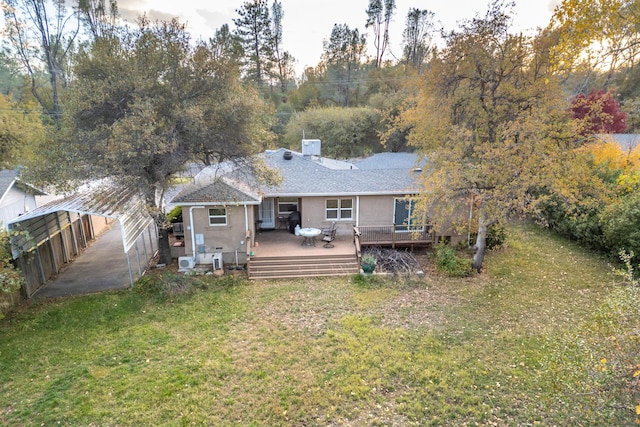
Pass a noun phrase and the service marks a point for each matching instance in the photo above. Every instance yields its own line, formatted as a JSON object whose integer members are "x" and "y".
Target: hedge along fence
{"x": 8, "y": 300}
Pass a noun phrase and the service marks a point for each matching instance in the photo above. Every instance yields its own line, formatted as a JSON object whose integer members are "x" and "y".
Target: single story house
{"x": 227, "y": 213}
{"x": 16, "y": 196}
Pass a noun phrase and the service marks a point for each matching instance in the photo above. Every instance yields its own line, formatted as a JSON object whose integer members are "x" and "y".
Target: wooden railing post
{"x": 356, "y": 241}
{"x": 393, "y": 236}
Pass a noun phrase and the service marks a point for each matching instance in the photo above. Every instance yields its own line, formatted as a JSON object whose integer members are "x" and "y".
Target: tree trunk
{"x": 480, "y": 247}
{"x": 164, "y": 248}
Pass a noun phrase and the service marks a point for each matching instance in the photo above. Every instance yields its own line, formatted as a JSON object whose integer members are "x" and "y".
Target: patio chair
{"x": 327, "y": 231}
{"x": 329, "y": 235}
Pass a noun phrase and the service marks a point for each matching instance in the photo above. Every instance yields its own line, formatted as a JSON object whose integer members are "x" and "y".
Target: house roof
{"x": 312, "y": 177}
{"x": 392, "y": 173}
{"x": 390, "y": 161}
{"x": 216, "y": 191}
{"x": 9, "y": 178}
{"x": 123, "y": 204}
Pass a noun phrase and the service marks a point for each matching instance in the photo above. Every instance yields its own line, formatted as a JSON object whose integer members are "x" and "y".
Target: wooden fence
{"x": 64, "y": 241}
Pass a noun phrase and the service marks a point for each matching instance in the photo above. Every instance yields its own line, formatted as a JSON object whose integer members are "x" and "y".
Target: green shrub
{"x": 496, "y": 236}
{"x": 368, "y": 259}
{"x": 167, "y": 286}
{"x": 447, "y": 261}
{"x": 579, "y": 221}
{"x": 621, "y": 225}
{"x": 367, "y": 281}
{"x": 175, "y": 214}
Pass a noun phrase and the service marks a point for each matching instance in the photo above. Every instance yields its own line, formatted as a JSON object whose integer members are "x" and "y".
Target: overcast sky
{"x": 307, "y": 23}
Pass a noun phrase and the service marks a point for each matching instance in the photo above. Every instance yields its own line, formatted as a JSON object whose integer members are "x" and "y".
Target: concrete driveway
{"x": 102, "y": 266}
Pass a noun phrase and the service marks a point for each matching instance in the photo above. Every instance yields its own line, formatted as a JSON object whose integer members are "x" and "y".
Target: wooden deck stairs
{"x": 303, "y": 266}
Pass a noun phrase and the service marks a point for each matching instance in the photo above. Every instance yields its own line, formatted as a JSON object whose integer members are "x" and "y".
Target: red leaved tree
{"x": 598, "y": 112}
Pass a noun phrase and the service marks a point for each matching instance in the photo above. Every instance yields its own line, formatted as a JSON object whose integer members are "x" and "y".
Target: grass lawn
{"x": 544, "y": 337}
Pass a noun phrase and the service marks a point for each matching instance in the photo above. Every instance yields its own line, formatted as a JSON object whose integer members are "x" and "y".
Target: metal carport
{"x": 57, "y": 232}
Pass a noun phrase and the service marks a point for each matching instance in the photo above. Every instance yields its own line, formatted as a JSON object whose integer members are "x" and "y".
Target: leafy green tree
{"x": 308, "y": 93}
{"x": 387, "y": 91}
{"x": 417, "y": 37}
{"x": 12, "y": 81}
{"x": 20, "y": 128}
{"x": 342, "y": 62}
{"x": 284, "y": 62}
{"x": 99, "y": 17}
{"x": 42, "y": 40}
{"x": 345, "y": 132}
{"x": 254, "y": 28}
{"x": 146, "y": 101}
{"x": 492, "y": 122}
{"x": 379, "y": 14}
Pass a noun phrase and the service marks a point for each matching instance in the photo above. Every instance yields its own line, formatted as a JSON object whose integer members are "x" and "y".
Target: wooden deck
{"x": 280, "y": 254}
{"x": 282, "y": 243}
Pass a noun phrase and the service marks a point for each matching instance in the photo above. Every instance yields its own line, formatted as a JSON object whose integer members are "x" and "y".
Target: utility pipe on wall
{"x": 193, "y": 233}
{"x": 246, "y": 218}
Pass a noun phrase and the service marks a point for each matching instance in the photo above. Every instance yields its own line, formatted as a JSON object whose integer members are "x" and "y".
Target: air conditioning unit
{"x": 217, "y": 261}
{"x": 186, "y": 263}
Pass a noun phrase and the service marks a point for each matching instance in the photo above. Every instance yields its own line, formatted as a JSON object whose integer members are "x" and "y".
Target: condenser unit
{"x": 186, "y": 263}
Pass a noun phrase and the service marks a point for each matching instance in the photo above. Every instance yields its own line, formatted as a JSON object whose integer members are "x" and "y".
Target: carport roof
{"x": 122, "y": 204}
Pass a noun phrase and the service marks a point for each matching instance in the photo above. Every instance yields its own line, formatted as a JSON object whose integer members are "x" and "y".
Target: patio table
{"x": 309, "y": 235}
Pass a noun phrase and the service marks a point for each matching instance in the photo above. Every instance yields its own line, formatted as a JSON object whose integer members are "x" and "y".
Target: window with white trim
{"x": 218, "y": 216}
{"x": 286, "y": 205}
{"x": 339, "y": 209}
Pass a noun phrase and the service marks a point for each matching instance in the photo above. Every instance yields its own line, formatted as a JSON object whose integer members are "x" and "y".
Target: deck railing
{"x": 356, "y": 242}
{"x": 395, "y": 235}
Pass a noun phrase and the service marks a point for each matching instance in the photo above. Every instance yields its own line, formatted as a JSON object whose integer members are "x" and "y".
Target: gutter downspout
{"x": 193, "y": 236}
{"x": 357, "y": 211}
{"x": 246, "y": 218}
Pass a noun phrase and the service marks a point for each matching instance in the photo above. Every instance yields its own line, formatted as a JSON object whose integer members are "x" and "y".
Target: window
{"x": 404, "y": 215}
{"x": 218, "y": 216}
{"x": 286, "y": 205}
{"x": 339, "y": 209}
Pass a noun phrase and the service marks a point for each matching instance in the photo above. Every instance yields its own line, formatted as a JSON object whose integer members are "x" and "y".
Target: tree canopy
{"x": 491, "y": 121}
{"x": 596, "y": 113}
{"x": 146, "y": 101}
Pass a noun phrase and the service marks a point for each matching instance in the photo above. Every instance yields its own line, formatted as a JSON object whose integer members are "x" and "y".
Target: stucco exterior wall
{"x": 313, "y": 215}
{"x": 218, "y": 238}
{"x": 372, "y": 210}
{"x": 376, "y": 210}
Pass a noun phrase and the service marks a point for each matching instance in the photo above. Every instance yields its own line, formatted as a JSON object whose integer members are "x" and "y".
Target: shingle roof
{"x": 390, "y": 161}
{"x": 7, "y": 178}
{"x": 301, "y": 175}
{"x": 216, "y": 191}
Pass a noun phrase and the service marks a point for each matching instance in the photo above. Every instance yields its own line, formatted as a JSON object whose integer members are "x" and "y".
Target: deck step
{"x": 303, "y": 266}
